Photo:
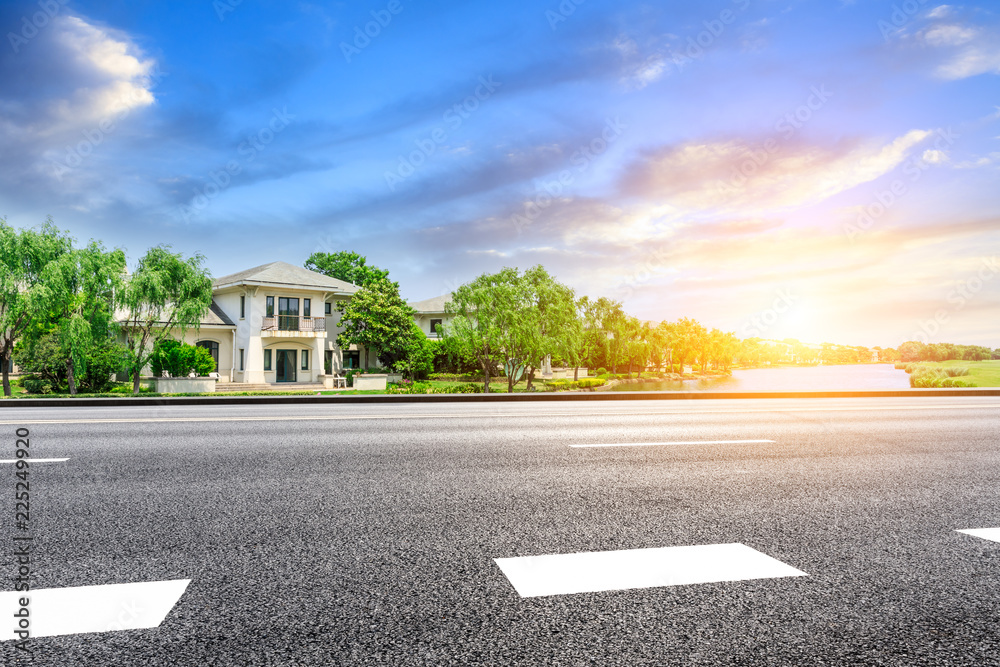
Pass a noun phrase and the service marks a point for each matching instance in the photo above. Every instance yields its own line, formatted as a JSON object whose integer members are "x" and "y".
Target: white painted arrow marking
{"x": 84, "y": 609}
{"x": 565, "y": 574}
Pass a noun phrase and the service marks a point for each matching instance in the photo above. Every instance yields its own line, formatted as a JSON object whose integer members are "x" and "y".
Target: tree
{"x": 346, "y": 265}
{"x": 378, "y": 318}
{"x": 496, "y": 321}
{"x": 166, "y": 292}
{"x": 418, "y": 358}
{"x": 553, "y": 307}
{"x": 23, "y": 257}
{"x": 76, "y": 301}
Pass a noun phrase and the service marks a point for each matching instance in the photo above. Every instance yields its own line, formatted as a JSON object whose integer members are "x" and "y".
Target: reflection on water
{"x": 805, "y": 378}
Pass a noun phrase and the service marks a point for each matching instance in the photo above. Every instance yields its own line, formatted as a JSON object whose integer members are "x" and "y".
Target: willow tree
{"x": 23, "y": 257}
{"x": 165, "y": 293}
{"x": 76, "y": 302}
{"x": 496, "y": 322}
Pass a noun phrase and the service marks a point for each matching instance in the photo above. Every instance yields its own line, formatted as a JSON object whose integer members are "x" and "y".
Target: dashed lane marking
{"x": 683, "y": 442}
{"x": 567, "y": 574}
{"x": 34, "y": 460}
{"x": 85, "y": 609}
{"x": 985, "y": 533}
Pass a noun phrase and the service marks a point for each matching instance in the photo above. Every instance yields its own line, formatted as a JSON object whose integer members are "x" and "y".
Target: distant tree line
{"x": 912, "y": 350}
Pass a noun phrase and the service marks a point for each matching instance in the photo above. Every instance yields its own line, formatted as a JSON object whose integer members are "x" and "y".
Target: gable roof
{"x": 283, "y": 273}
{"x": 215, "y": 317}
{"x": 435, "y": 305}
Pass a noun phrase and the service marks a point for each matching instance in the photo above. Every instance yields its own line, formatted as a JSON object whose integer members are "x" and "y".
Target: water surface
{"x": 797, "y": 378}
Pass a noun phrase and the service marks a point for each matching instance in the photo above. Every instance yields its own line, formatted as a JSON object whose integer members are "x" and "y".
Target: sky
{"x": 827, "y": 170}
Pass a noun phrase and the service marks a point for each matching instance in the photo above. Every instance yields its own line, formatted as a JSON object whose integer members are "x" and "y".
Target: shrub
{"x": 180, "y": 359}
{"x": 35, "y": 384}
{"x": 602, "y": 371}
{"x": 586, "y": 383}
{"x": 926, "y": 377}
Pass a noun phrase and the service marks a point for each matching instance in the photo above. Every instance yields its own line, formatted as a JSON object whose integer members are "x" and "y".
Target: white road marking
{"x": 566, "y": 574}
{"x": 84, "y": 609}
{"x": 985, "y": 533}
{"x": 685, "y": 442}
{"x": 497, "y": 415}
{"x": 35, "y": 460}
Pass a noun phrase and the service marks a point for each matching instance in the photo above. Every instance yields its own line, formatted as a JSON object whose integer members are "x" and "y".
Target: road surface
{"x": 432, "y": 534}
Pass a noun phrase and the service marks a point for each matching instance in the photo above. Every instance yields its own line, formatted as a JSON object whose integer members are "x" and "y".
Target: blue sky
{"x": 821, "y": 170}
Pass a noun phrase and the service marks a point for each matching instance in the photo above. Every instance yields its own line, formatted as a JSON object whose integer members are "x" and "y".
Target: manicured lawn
{"x": 981, "y": 373}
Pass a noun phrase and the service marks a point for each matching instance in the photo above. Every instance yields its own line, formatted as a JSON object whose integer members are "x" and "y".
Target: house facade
{"x": 276, "y": 324}
{"x": 430, "y": 313}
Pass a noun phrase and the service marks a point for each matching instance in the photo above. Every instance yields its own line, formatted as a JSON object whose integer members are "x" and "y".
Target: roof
{"x": 283, "y": 273}
{"x": 215, "y": 317}
{"x": 435, "y": 305}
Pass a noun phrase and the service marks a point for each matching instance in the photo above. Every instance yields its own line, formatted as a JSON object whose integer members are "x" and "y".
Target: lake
{"x": 798, "y": 378}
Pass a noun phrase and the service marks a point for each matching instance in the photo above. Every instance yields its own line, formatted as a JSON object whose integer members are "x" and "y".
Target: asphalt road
{"x": 365, "y": 535}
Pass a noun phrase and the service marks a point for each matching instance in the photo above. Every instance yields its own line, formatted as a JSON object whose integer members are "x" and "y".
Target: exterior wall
{"x": 423, "y": 321}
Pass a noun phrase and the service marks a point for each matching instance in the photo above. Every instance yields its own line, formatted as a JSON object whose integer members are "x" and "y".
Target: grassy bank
{"x": 981, "y": 373}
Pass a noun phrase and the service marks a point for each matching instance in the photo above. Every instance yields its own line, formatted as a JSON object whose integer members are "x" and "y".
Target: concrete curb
{"x": 487, "y": 398}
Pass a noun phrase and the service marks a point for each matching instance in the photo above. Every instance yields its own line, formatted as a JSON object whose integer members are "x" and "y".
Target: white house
{"x": 430, "y": 313}
{"x": 275, "y": 324}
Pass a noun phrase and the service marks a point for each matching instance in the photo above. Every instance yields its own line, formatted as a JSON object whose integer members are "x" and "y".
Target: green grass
{"x": 981, "y": 373}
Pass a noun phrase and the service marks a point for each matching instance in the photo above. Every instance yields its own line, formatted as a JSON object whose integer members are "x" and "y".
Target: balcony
{"x": 294, "y": 324}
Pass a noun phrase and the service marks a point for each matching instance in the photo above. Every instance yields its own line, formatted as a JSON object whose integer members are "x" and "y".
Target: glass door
{"x": 288, "y": 314}
{"x": 285, "y": 369}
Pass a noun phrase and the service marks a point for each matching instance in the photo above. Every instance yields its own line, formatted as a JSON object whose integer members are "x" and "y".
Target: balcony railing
{"x": 293, "y": 323}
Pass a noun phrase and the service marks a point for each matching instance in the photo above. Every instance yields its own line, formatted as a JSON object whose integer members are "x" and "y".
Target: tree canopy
{"x": 165, "y": 292}
{"x": 346, "y": 265}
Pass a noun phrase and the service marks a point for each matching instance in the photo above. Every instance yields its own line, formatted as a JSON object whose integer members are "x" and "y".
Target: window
{"x": 352, "y": 359}
{"x": 269, "y": 309}
{"x": 288, "y": 314}
{"x": 213, "y": 349}
{"x": 306, "y": 307}
{"x": 329, "y": 308}
{"x": 241, "y": 359}
{"x": 243, "y": 307}
{"x": 267, "y": 360}
{"x": 434, "y": 325}
{"x": 305, "y": 360}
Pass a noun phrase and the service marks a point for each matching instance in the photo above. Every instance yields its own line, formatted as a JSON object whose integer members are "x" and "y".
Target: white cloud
{"x": 935, "y": 157}
{"x": 939, "y": 12}
{"x": 733, "y": 174}
{"x": 949, "y": 35}
{"x": 122, "y": 75}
